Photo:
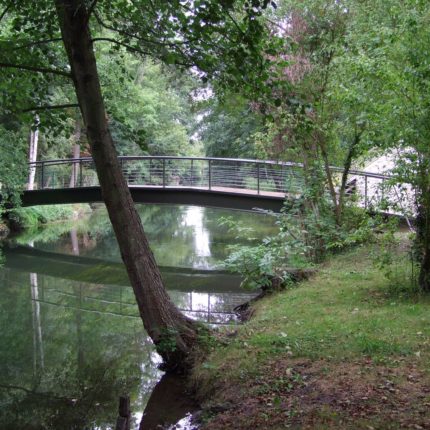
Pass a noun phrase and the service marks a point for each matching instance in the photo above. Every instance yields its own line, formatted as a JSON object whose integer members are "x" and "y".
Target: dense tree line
{"x": 347, "y": 81}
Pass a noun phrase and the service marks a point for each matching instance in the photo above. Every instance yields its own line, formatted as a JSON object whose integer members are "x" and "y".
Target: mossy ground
{"x": 346, "y": 349}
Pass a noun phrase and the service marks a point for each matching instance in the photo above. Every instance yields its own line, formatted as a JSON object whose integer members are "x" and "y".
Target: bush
{"x": 31, "y": 217}
{"x": 307, "y": 234}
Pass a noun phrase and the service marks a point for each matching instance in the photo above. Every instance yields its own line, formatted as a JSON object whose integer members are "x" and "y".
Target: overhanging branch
{"x": 138, "y": 37}
{"x": 91, "y": 8}
{"x": 36, "y": 69}
{"x": 117, "y": 42}
{"x": 137, "y": 50}
{"x": 50, "y": 107}
{"x": 30, "y": 44}
{"x": 5, "y": 11}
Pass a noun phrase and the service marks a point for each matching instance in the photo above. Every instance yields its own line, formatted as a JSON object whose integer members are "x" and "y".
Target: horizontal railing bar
{"x": 54, "y": 162}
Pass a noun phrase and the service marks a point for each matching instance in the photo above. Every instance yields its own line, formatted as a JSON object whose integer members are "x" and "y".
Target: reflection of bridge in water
{"x": 217, "y": 182}
{"x": 212, "y": 308}
{"x": 102, "y": 286}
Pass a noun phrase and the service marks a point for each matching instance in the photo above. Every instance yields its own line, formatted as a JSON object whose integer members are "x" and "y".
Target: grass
{"x": 348, "y": 313}
{"x": 32, "y": 217}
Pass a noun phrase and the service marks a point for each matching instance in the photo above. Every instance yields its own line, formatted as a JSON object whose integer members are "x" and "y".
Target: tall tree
{"x": 386, "y": 53}
{"x": 177, "y": 32}
{"x": 162, "y": 320}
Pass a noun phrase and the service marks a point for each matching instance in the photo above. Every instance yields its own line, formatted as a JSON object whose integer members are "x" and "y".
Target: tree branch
{"x": 3, "y": 14}
{"x": 32, "y": 392}
{"x": 133, "y": 49}
{"x": 135, "y": 36}
{"x": 234, "y": 22}
{"x": 117, "y": 42}
{"x": 39, "y": 42}
{"x": 36, "y": 69}
{"x": 50, "y": 107}
{"x": 91, "y": 8}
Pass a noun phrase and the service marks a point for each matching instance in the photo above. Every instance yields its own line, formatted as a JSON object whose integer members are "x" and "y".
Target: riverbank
{"x": 33, "y": 217}
{"x": 348, "y": 348}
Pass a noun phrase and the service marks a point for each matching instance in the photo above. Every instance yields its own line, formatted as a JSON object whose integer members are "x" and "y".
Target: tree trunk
{"x": 424, "y": 277}
{"x": 346, "y": 169}
{"x": 172, "y": 333}
{"x": 32, "y": 151}
{"x": 329, "y": 176}
{"x": 423, "y": 240}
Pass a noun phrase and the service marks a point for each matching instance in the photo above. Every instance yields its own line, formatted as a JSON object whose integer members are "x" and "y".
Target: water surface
{"x": 71, "y": 341}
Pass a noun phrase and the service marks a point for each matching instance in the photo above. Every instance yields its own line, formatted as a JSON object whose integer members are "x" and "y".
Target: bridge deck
{"x": 227, "y": 190}
{"x": 220, "y": 197}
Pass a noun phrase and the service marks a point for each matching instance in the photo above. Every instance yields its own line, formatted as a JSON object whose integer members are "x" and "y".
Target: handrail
{"x": 263, "y": 178}
{"x": 236, "y": 160}
{"x": 175, "y": 157}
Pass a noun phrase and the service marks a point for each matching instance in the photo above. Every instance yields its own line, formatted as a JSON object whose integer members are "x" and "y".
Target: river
{"x": 71, "y": 341}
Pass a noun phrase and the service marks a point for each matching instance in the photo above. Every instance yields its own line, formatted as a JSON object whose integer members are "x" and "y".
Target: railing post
{"x": 42, "y": 175}
{"x": 365, "y": 192}
{"x": 258, "y": 178}
{"x": 191, "y": 173}
{"x": 81, "y": 178}
{"x": 210, "y": 174}
{"x": 164, "y": 173}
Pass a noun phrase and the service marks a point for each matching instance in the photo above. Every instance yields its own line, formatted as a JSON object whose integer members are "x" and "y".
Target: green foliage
{"x": 167, "y": 342}
{"x": 394, "y": 256}
{"x": 305, "y": 236}
{"x": 159, "y": 120}
{"x": 31, "y": 217}
{"x": 13, "y": 167}
{"x": 260, "y": 263}
{"x": 228, "y": 127}
{"x": 256, "y": 264}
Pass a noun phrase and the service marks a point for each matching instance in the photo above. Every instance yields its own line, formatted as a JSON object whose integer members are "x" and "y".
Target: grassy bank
{"x": 346, "y": 349}
{"x": 33, "y": 217}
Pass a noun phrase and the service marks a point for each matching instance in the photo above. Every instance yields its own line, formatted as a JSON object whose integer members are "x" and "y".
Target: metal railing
{"x": 255, "y": 177}
{"x": 159, "y": 171}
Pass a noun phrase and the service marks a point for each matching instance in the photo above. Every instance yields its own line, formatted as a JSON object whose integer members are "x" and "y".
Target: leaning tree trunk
{"x": 172, "y": 333}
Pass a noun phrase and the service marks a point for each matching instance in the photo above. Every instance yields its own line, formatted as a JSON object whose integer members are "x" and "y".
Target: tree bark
{"x": 172, "y": 333}
{"x": 331, "y": 187}
{"x": 346, "y": 169}
{"x": 424, "y": 277}
{"x": 423, "y": 240}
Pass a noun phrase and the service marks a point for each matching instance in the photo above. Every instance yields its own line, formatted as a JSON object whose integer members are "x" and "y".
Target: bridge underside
{"x": 216, "y": 197}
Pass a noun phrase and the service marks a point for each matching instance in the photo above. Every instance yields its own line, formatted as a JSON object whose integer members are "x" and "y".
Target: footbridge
{"x": 217, "y": 182}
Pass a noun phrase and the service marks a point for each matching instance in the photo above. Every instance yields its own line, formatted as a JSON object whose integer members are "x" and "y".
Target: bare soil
{"x": 304, "y": 394}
